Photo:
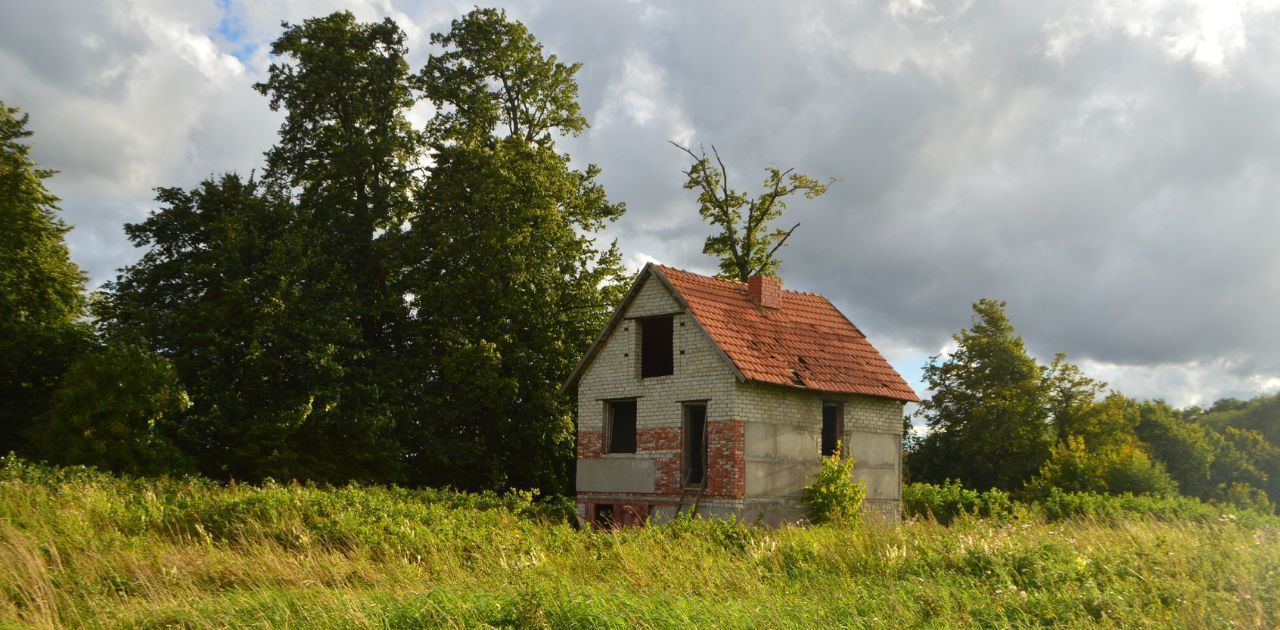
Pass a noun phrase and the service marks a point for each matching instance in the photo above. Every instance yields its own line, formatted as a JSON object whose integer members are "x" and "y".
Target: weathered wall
{"x": 784, "y": 440}
{"x": 873, "y": 436}
{"x": 699, "y": 374}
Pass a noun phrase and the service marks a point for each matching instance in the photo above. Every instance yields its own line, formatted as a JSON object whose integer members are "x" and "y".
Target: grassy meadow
{"x": 83, "y": 549}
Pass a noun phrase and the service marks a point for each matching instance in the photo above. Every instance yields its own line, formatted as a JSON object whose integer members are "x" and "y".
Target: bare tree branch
{"x": 786, "y": 235}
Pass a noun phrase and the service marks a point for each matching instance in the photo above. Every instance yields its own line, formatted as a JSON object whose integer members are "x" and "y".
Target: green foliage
{"x": 1261, "y": 414}
{"x": 494, "y": 81}
{"x": 349, "y": 153}
{"x": 745, "y": 244}
{"x": 274, "y": 300}
{"x": 1246, "y": 456}
{"x": 116, "y": 409}
{"x": 948, "y": 501}
{"x": 1116, "y": 469}
{"x": 988, "y": 417}
{"x": 509, "y": 285}
{"x": 1246, "y": 497}
{"x": 834, "y": 496}
{"x": 1186, "y": 449}
{"x": 1058, "y": 505}
{"x": 1072, "y": 401}
{"x": 41, "y": 290}
{"x": 358, "y": 315}
{"x": 218, "y": 292}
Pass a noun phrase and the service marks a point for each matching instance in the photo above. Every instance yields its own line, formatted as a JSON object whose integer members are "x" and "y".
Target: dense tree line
{"x": 381, "y": 303}
{"x": 997, "y": 418}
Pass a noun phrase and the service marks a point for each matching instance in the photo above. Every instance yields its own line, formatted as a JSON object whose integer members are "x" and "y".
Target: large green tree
{"x": 349, "y": 152}
{"x": 747, "y": 242}
{"x": 218, "y": 292}
{"x": 41, "y": 290}
{"x": 508, "y": 282}
{"x": 989, "y": 424}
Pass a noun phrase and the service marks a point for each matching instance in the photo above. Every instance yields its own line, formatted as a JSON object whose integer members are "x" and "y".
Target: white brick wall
{"x": 700, "y": 373}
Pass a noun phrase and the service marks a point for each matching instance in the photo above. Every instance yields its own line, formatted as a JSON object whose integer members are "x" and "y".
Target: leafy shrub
{"x": 116, "y": 409}
{"x": 834, "y": 497}
{"x": 1057, "y": 505}
{"x": 1247, "y": 497}
{"x": 726, "y": 534}
{"x": 948, "y": 501}
{"x": 1115, "y": 469}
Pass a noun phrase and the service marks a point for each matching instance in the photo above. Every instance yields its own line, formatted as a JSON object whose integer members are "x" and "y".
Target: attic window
{"x": 656, "y": 346}
{"x": 620, "y": 426}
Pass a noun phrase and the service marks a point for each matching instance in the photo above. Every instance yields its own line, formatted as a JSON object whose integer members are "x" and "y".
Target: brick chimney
{"x": 765, "y": 291}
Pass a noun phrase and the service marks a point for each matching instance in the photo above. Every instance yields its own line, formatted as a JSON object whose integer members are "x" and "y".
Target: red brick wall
{"x": 590, "y": 444}
{"x": 665, "y": 440}
{"x": 726, "y": 462}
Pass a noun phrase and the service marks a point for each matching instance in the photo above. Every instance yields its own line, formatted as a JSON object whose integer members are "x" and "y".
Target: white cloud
{"x": 1211, "y": 34}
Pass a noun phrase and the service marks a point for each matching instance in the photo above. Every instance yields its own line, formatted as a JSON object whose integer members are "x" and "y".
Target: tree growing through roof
{"x": 747, "y": 243}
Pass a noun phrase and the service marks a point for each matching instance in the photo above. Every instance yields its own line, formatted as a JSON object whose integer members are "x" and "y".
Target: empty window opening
{"x": 656, "y": 344}
{"x": 832, "y": 419}
{"x": 620, "y": 426}
{"x": 695, "y": 444}
{"x": 604, "y": 516}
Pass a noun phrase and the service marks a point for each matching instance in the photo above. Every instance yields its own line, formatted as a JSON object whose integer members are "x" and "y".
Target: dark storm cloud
{"x": 1108, "y": 168}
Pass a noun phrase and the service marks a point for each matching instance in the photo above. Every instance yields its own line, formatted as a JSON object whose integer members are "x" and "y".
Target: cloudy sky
{"x": 1110, "y": 168}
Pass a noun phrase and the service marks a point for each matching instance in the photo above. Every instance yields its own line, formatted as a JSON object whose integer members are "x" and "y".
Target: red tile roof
{"x": 805, "y": 343}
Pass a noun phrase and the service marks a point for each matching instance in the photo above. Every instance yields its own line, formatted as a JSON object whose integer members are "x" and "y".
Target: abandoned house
{"x": 725, "y": 395}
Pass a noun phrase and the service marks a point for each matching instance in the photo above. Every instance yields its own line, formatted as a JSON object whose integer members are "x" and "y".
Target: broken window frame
{"x": 610, "y": 431}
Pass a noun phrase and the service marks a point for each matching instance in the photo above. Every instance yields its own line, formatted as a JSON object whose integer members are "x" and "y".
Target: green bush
{"x": 948, "y": 501}
{"x": 1057, "y": 505}
{"x": 834, "y": 497}
{"x": 1116, "y": 469}
{"x": 1247, "y": 497}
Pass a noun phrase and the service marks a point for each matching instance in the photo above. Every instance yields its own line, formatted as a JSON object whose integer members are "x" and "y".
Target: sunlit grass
{"x": 82, "y": 549}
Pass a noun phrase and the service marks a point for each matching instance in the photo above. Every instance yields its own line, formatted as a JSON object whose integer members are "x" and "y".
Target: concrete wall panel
{"x": 616, "y": 475}
{"x": 779, "y": 479}
{"x": 877, "y": 456}
{"x": 783, "y": 441}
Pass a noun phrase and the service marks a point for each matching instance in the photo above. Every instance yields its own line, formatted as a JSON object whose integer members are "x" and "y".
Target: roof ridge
{"x": 737, "y": 283}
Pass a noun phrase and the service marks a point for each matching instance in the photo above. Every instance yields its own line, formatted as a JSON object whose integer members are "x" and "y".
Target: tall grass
{"x": 78, "y": 548}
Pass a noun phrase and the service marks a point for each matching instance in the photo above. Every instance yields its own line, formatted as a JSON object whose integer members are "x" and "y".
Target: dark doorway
{"x": 832, "y": 415}
{"x": 695, "y": 444}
